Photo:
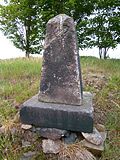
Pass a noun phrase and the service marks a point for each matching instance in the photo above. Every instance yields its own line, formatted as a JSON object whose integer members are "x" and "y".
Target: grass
{"x": 19, "y": 80}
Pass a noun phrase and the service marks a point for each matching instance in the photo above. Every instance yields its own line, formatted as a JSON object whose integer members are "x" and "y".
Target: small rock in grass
{"x": 94, "y": 137}
{"x": 28, "y": 155}
{"x": 84, "y": 155}
{"x": 95, "y": 149}
{"x": 50, "y": 146}
{"x": 25, "y": 143}
{"x": 52, "y": 133}
{"x": 100, "y": 127}
{"x": 104, "y": 135}
{"x": 2, "y": 129}
{"x": 26, "y": 126}
{"x": 71, "y": 138}
{"x": 33, "y": 129}
{"x": 13, "y": 130}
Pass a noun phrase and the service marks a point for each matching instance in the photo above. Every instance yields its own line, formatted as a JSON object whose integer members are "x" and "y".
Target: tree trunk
{"x": 100, "y": 53}
{"x": 28, "y": 31}
{"x": 105, "y": 53}
{"x": 27, "y": 55}
{"x": 27, "y": 44}
{"x": 28, "y": 36}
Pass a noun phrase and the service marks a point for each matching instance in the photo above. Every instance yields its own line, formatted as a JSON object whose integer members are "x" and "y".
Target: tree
{"x": 97, "y": 22}
{"x": 95, "y": 19}
{"x": 103, "y": 27}
{"x": 24, "y": 21}
{"x": 77, "y": 9}
{"x": 20, "y": 22}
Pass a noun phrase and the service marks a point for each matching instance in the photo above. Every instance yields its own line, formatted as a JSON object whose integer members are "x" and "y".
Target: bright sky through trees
{"x": 7, "y": 50}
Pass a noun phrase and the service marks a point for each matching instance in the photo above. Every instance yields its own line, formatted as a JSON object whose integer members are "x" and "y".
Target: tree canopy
{"x": 97, "y": 22}
{"x": 20, "y": 22}
{"x": 103, "y": 27}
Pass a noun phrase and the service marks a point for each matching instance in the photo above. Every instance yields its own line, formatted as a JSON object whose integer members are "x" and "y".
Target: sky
{"x": 8, "y": 50}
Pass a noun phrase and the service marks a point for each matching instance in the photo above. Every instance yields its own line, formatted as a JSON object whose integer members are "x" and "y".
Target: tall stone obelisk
{"x": 61, "y": 75}
{"x": 61, "y": 102}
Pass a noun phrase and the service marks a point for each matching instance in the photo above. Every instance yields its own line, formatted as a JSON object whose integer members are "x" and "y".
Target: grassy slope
{"x": 19, "y": 80}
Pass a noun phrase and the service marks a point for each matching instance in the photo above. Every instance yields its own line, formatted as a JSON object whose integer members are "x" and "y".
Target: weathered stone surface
{"x": 70, "y": 139}
{"x": 60, "y": 116}
{"x": 26, "y": 126}
{"x": 52, "y": 133}
{"x": 28, "y": 155}
{"x": 26, "y": 144}
{"x": 104, "y": 135}
{"x": 61, "y": 75}
{"x": 94, "y": 137}
{"x": 13, "y": 130}
{"x": 95, "y": 149}
{"x": 50, "y": 146}
{"x": 2, "y": 129}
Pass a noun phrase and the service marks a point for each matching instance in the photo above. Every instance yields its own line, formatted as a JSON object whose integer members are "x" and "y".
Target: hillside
{"x": 19, "y": 80}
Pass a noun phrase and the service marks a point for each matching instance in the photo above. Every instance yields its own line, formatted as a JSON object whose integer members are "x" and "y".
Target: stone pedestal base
{"x": 67, "y": 117}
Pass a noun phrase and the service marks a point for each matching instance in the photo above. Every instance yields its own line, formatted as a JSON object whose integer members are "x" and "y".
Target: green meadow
{"x": 20, "y": 79}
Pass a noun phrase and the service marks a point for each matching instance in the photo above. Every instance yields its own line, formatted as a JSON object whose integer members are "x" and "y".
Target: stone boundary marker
{"x": 61, "y": 75}
{"x": 61, "y": 102}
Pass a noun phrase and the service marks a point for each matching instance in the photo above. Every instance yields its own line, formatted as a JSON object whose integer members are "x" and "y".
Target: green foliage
{"x": 24, "y": 21}
{"x": 97, "y": 22}
{"x": 20, "y": 22}
{"x": 102, "y": 28}
{"x": 77, "y": 9}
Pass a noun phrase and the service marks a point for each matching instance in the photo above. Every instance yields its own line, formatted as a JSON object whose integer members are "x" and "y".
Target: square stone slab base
{"x": 61, "y": 116}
